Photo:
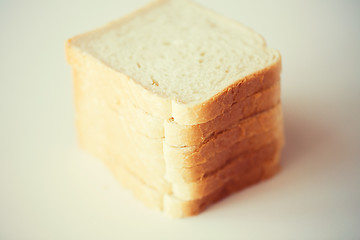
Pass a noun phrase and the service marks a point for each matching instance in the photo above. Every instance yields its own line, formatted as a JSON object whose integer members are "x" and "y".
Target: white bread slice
{"x": 192, "y": 86}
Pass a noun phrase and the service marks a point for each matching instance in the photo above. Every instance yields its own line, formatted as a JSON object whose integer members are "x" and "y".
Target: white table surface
{"x": 49, "y": 189}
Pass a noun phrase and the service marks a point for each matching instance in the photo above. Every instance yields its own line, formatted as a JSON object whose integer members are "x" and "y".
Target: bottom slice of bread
{"x": 177, "y": 208}
{"x": 236, "y": 168}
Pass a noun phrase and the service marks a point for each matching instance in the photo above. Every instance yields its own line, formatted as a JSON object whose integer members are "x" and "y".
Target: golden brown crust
{"x": 221, "y": 159}
{"x": 247, "y": 135}
{"x": 234, "y": 167}
{"x": 177, "y": 208}
{"x": 189, "y": 135}
{"x": 218, "y": 104}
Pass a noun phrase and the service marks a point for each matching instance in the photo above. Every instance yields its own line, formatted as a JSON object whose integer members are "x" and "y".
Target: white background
{"x": 49, "y": 189}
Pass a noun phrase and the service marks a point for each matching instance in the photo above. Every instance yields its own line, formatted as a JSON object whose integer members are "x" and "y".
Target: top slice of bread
{"x": 191, "y": 63}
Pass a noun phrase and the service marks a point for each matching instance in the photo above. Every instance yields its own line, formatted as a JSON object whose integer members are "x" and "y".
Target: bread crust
{"x": 221, "y": 159}
{"x": 248, "y": 134}
{"x": 187, "y": 114}
{"x": 235, "y": 167}
{"x": 189, "y": 135}
{"x": 177, "y": 208}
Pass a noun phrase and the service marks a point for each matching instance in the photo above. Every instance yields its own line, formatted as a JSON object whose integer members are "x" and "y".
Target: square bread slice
{"x": 175, "y": 59}
{"x": 182, "y": 104}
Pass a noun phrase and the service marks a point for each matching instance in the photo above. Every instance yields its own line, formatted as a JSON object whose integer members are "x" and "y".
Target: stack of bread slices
{"x": 182, "y": 104}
